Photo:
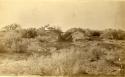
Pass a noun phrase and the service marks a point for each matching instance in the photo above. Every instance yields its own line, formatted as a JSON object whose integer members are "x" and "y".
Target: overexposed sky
{"x": 64, "y": 13}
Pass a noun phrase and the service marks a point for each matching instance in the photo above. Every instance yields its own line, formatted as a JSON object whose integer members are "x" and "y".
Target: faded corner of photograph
{"x": 62, "y": 38}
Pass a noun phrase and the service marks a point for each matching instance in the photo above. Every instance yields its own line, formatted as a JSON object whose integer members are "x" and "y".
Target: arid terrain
{"x": 48, "y": 51}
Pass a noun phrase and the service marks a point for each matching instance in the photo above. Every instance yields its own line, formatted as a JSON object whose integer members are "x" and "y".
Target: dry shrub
{"x": 14, "y": 42}
{"x": 12, "y": 27}
{"x": 113, "y": 34}
{"x": 10, "y": 39}
{"x": 35, "y": 47}
{"x": 21, "y": 46}
{"x": 49, "y": 36}
{"x": 87, "y": 34}
{"x": 29, "y": 33}
{"x": 67, "y": 36}
{"x": 52, "y": 34}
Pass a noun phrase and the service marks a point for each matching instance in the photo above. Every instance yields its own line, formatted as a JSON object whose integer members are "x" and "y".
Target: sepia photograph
{"x": 62, "y": 38}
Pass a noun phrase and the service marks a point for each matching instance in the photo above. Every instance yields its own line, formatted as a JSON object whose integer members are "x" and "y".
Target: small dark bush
{"x": 96, "y": 33}
{"x": 29, "y": 33}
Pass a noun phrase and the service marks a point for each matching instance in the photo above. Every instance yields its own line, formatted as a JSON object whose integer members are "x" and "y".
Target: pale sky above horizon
{"x": 63, "y": 13}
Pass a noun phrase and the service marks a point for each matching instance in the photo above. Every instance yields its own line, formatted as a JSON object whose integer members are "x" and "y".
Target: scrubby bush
{"x": 40, "y": 31}
{"x": 14, "y": 42}
{"x": 84, "y": 34}
{"x": 51, "y": 35}
{"x": 10, "y": 38}
{"x": 67, "y": 36}
{"x": 29, "y": 33}
{"x": 12, "y": 27}
{"x": 35, "y": 47}
{"x": 95, "y": 34}
{"x": 113, "y": 34}
{"x": 92, "y": 34}
{"x": 21, "y": 46}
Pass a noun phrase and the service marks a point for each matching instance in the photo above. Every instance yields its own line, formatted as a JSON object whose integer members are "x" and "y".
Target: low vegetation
{"x": 49, "y": 51}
